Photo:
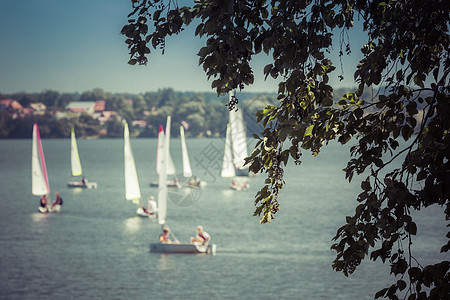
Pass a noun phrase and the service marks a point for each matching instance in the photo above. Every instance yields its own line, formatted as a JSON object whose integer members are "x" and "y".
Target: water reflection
{"x": 40, "y": 217}
{"x": 229, "y": 193}
{"x": 163, "y": 262}
{"x": 132, "y": 224}
{"x": 42, "y": 221}
{"x": 76, "y": 190}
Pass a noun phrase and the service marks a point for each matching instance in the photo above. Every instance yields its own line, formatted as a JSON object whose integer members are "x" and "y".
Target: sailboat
{"x": 75, "y": 164}
{"x": 170, "y": 165}
{"x": 162, "y": 202}
{"x": 193, "y": 181}
{"x": 132, "y": 188}
{"x": 39, "y": 178}
{"x": 235, "y": 152}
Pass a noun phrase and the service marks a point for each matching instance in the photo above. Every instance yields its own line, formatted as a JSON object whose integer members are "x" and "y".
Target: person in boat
{"x": 83, "y": 180}
{"x": 174, "y": 181}
{"x": 194, "y": 181}
{"x": 58, "y": 200}
{"x": 202, "y": 236}
{"x": 164, "y": 237}
{"x": 44, "y": 201}
{"x": 151, "y": 206}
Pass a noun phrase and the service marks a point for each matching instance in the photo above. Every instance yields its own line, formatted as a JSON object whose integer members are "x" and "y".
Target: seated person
{"x": 43, "y": 202}
{"x": 151, "y": 206}
{"x": 202, "y": 236}
{"x": 164, "y": 237}
{"x": 58, "y": 200}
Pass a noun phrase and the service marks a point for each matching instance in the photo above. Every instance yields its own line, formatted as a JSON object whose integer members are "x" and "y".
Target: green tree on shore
{"x": 405, "y": 67}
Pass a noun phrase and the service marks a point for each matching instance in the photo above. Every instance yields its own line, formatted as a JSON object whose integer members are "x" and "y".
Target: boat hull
{"x": 78, "y": 184}
{"x": 140, "y": 212}
{"x": 183, "y": 248}
{"x": 55, "y": 209}
{"x": 169, "y": 184}
{"x": 239, "y": 187}
{"x": 200, "y": 184}
{"x": 43, "y": 210}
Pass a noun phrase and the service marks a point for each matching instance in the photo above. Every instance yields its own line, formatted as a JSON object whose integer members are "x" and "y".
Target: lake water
{"x": 97, "y": 248}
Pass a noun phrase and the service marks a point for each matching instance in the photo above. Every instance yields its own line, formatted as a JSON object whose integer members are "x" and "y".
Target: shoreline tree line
{"x": 204, "y": 114}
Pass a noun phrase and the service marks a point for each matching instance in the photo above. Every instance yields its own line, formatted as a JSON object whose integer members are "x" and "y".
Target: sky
{"x": 76, "y": 46}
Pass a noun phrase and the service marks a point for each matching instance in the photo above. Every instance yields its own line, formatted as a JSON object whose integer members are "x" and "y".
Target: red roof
{"x": 10, "y": 103}
{"x": 78, "y": 109}
{"x": 99, "y": 105}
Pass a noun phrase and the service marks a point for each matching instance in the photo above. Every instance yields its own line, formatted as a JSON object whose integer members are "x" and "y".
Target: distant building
{"x": 81, "y": 106}
{"x": 27, "y": 112}
{"x": 139, "y": 123}
{"x": 10, "y": 105}
{"x": 105, "y": 116}
{"x": 39, "y": 108}
{"x": 100, "y": 106}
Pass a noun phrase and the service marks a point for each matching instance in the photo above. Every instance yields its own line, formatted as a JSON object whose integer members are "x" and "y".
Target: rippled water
{"x": 98, "y": 248}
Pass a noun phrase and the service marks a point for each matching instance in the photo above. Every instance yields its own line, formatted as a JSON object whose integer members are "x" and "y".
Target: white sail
{"x": 132, "y": 189}
{"x": 228, "y": 166}
{"x": 238, "y": 138}
{"x": 39, "y": 178}
{"x": 187, "y": 170}
{"x": 159, "y": 149}
{"x": 170, "y": 167}
{"x": 74, "y": 157}
{"x": 162, "y": 185}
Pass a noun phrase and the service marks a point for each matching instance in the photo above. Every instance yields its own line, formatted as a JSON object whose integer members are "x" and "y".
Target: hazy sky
{"x": 76, "y": 46}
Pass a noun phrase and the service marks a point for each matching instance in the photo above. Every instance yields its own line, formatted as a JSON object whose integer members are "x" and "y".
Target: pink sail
{"x": 40, "y": 184}
{"x": 42, "y": 159}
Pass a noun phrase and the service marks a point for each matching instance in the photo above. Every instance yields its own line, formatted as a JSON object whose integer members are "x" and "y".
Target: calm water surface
{"x": 97, "y": 248}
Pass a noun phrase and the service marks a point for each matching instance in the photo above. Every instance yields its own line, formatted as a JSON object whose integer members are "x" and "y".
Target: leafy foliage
{"x": 406, "y": 117}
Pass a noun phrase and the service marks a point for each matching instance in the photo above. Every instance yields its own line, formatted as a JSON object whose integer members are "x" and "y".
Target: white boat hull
{"x": 43, "y": 210}
{"x": 183, "y": 248}
{"x": 239, "y": 187}
{"x": 169, "y": 184}
{"x": 140, "y": 212}
{"x": 56, "y": 208}
{"x": 78, "y": 184}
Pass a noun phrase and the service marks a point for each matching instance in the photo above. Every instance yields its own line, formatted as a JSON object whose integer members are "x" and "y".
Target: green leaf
{"x": 327, "y": 101}
{"x": 412, "y": 228}
{"x": 358, "y": 113}
{"x": 401, "y": 285}
{"x": 381, "y": 293}
{"x": 365, "y": 185}
{"x": 418, "y": 81}
{"x": 309, "y": 130}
